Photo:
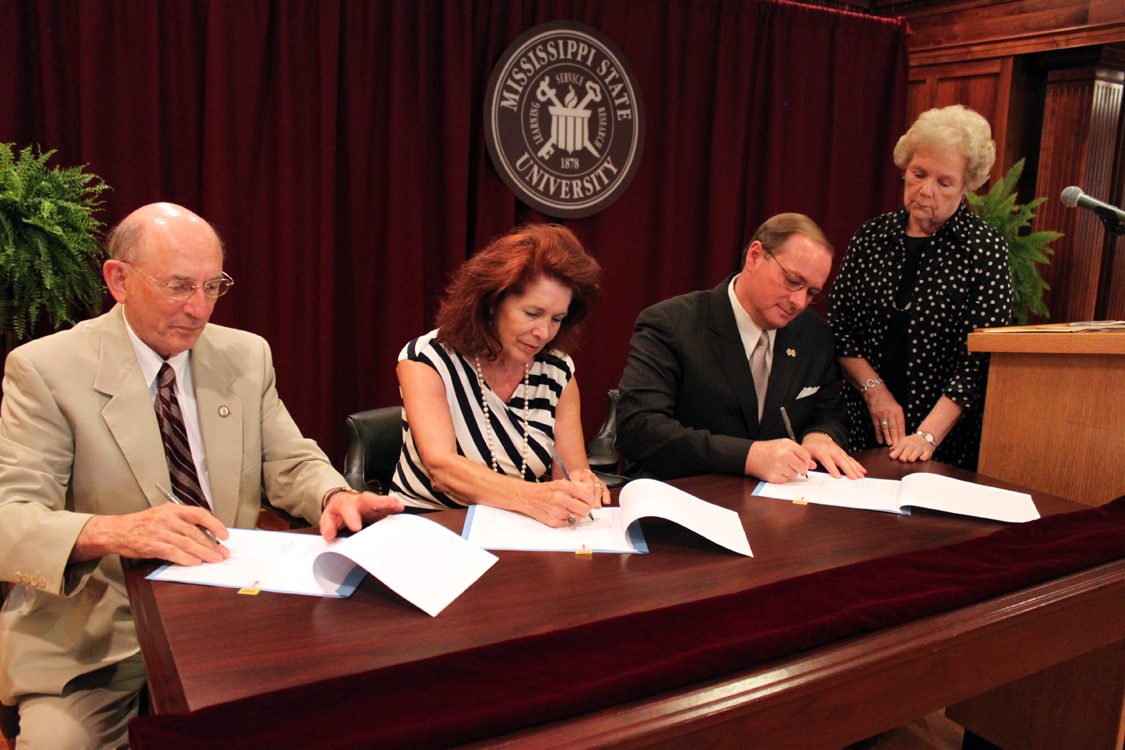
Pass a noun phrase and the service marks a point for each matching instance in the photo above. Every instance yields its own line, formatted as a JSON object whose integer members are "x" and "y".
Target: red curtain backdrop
{"x": 337, "y": 146}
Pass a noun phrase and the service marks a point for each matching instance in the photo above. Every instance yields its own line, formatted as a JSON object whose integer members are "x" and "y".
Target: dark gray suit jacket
{"x": 688, "y": 404}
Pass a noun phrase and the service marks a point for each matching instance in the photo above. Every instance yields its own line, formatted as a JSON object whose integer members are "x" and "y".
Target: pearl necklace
{"x": 488, "y": 420}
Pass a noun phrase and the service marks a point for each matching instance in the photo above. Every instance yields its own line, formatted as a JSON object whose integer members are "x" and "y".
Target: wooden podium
{"x": 1054, "y": 417}
{"x": 1054, "y": 421}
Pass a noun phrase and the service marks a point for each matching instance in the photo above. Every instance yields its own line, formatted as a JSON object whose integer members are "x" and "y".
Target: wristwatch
{"x": 870, "y": 384}
{"x": 335, "y": 491}
{"x": 927, "y": 437}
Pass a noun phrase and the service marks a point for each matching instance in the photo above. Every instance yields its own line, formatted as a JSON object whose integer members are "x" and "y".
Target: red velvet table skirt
{"x": 474, "y": 694}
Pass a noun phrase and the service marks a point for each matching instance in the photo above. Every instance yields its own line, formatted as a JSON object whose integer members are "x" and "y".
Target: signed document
{"x": 426, "y": 564}
{"x": 919, "y": 490}
{"x": 613, "y": 529}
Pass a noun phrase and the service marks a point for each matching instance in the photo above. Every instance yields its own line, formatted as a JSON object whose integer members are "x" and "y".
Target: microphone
{"x": 1073, "y": 196}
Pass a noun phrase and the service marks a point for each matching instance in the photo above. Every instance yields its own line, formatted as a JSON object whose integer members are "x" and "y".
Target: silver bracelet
{"x": 927, "y": 437}
{"x": 871, "y": 383}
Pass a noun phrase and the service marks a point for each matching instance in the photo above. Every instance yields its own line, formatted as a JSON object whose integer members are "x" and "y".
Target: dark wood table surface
{"x": 205, "y": 646}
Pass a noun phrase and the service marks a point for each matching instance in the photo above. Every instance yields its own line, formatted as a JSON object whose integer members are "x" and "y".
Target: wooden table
{"x": 822, "y": 698}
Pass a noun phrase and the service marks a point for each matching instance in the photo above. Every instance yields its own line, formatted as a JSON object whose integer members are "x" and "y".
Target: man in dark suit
{"x": 689, "y": 401}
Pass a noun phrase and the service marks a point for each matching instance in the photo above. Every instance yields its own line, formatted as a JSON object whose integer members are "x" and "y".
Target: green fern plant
{"x": 49, "y": 253}
{"x": 1026, "y": 249}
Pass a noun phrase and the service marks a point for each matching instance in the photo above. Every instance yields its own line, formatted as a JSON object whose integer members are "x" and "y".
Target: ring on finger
{"x": 883, "y": 423}
{"x": 570, "y": 520}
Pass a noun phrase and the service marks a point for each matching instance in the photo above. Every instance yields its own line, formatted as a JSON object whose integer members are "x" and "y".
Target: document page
{"x": 967, "y": 499}
{"x": 820, "y": 488}
{"x": 919, "y": 490}
{"x": 423, "y": 562}
{"x": 493, "y": 528}
{"x": 267, "y": 561}
{"x": 649, "y": 497}
{"x": 614, "y": 529}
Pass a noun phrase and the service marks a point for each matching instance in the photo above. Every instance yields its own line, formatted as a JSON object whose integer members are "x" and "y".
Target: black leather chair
{"x": 9, "y": 723}
{"x": 374, "y": 444}
{"x": 9, "y": 715}
{"x": 375, "y": 441}
{"x": 601, "y": 451}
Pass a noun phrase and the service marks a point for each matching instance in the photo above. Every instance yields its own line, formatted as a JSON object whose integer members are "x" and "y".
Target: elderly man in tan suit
{"x": 83, "y": 458}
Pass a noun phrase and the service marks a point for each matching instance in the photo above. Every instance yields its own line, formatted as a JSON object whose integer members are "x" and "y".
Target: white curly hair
{"x": 954, "y": 128}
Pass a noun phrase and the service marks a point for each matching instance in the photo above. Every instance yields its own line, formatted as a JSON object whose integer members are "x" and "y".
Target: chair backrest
{"x": 374, "y": 444}
{"x": 601, "y": 451}
{"x": 9, "y": 723}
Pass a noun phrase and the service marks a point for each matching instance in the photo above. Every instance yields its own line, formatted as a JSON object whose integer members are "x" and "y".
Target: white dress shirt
{"x": 748, "y": 330}
{"x": 150, "y": 363}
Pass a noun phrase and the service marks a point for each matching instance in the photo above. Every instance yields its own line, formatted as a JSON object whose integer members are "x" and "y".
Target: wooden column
{"x": 1111, "y": 291}
{"x": 1080, "y": 121}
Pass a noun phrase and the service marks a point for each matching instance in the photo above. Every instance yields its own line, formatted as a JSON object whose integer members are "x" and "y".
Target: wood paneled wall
{"x": 951, "y": 31}
{"x": 1048, "y": 75}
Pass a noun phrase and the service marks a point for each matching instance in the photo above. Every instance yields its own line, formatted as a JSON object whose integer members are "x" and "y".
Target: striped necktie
{"x": 181, "y": 467}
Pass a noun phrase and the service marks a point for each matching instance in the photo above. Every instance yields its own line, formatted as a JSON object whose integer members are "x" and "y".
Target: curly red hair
{"x": 510, "y": 265}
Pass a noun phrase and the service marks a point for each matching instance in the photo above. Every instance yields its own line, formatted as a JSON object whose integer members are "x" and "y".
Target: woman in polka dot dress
{"x": 914, "y": 283}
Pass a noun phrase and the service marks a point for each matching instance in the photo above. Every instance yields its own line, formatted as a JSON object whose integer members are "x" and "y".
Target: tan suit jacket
{"x": 78, "y": 437}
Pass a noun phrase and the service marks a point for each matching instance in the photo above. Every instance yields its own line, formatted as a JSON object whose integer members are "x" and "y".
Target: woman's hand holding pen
{"x": 558, "y": 503}
{"x": 599, "y": 492}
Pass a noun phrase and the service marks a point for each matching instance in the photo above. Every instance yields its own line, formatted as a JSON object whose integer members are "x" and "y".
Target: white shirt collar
{"x": 151, "y": 362}
{"x": 748, "y": 330}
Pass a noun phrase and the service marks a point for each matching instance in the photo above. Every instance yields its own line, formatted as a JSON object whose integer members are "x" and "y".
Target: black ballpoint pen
{"x": 792, "y": 435}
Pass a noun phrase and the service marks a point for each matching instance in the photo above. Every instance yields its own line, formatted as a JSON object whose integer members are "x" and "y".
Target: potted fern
{"x": 1026, "y": 249}
{"x": 49, "y": 252}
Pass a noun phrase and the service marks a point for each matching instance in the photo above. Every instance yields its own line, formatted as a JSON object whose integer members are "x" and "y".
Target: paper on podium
{"x": 424, "y": 563}
{"x": 614, "y": 529}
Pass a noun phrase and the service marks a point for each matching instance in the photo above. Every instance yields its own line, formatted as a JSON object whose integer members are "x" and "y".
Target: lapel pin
{"x": 224, "y": 411}
{"x": 791, "y": 352}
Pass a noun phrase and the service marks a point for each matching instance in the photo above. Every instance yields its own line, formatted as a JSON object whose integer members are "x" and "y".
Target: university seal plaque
{"x": 564, "y": 120}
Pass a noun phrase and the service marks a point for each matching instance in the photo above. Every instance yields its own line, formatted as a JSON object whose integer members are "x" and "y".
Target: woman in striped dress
{"x": 489, "y": 397}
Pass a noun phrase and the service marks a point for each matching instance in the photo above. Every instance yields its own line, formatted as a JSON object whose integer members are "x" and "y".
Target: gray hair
{"x": 124, "y": 241}
{"x": 955, "y": 128}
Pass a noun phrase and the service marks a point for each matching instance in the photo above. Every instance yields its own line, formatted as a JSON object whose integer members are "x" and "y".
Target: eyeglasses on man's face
{"x": 794, "y": 284}
{"x": 180, "y": 290}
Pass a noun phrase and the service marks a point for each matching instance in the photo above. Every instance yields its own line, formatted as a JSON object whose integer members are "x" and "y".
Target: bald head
{"x": 158, "y": 245}
{"x": 126, "y": 241}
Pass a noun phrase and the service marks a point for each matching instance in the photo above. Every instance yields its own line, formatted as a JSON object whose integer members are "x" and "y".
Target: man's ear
{"x": 114, "y": 273}
{"x": 754, "y": 255}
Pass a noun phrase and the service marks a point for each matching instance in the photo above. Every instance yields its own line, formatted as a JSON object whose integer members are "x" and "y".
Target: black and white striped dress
{"x": 549, "y": 375}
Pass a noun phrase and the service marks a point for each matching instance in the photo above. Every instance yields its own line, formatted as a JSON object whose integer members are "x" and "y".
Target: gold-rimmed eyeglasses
{"x": 180, "y": 290}
{"x": 795, "y": 284}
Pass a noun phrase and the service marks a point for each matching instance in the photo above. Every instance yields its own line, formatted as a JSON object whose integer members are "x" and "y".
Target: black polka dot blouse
{"x": 963, "y": 283}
